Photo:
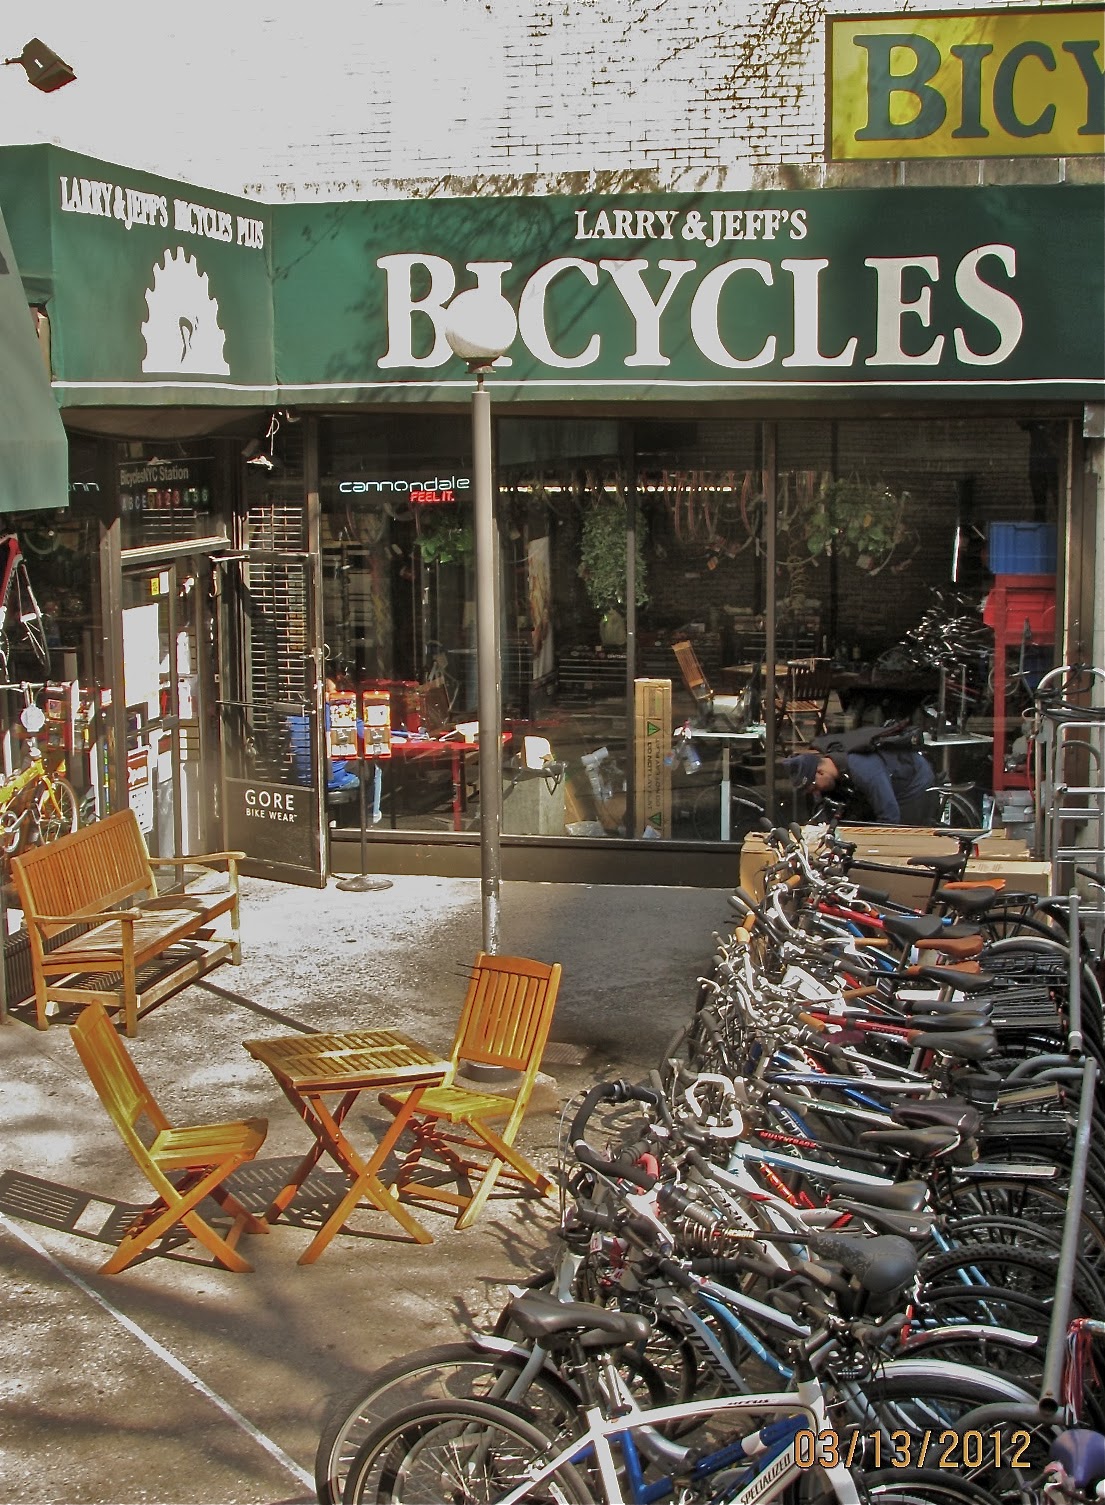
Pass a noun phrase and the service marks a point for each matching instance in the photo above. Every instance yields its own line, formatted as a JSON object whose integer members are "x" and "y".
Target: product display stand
{"x": 361, "y": 883}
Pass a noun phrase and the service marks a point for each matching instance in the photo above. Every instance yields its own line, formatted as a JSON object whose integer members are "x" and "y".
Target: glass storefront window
{"x": 399, "y": 621}
{"x": 890, "y": 538}
{"x": 59, "y": 551}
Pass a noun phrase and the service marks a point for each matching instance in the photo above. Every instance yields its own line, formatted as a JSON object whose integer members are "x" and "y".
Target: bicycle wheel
{"x": 1017, "y": 1356}
{"x": 467, "y": 1452}
{"x": 959, "y": 811}
{"x": 746, "y": 810}
{"x": 54, "y": 811}
{"x": 1027, "y": 1272}
{"x": 1030, "y": 1202}
{"x": 918, "y": 1396}
{"x": 449, "y": 1371}
{"x": 922, "y": 1486}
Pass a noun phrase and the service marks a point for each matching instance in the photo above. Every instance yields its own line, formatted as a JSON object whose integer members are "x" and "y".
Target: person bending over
{"x": 891, "y": 786}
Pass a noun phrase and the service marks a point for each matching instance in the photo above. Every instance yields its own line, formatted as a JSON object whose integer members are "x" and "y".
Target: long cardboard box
{"x": 651, "y": 752}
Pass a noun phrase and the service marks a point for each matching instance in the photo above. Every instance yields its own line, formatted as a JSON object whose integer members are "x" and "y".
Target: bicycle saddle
{"x": 951, "y": 977}
{"x": 905, "y": 1196}
{"x": 957, "y": 1019}
{"x": 542, "y": 1316}
{"x": 950, "y": 864}
{"x": 950, "y": 1114}
{"x": 913, "y": 929}
{"x": 916, "y": 1144}
{"x": 950, "y": 945}
{"x": 881, "y": 1264}
{"x": 923, "y": 1008}
{"x": 911, "y": 1225}
{"x": 968, "y": 1044}
{"x": 967, "y": 901}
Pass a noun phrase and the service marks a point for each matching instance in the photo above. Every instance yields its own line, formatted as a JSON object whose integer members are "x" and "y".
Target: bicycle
{"x": 19, "y": 607}
{"x": 37, "y": 804}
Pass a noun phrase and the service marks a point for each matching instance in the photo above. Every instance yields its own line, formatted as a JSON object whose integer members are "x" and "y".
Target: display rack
{"x": 1021, "y": 611}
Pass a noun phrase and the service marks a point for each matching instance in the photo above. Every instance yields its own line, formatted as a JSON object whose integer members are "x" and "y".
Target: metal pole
{"x": 1074, "y": 986}
{"x": 769, "y": 464}
{"x": 488, "y": 708}
{"x": 1051, "y": 1388}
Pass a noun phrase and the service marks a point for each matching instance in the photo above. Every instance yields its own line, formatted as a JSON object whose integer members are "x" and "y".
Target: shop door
{"x": 270, "y": 704}
{"x": 168, "y": 687}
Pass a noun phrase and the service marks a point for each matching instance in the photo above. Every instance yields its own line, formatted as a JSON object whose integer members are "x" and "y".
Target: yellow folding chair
{"x": 199, "y": 1157}
{"x": 505, "y": 1022}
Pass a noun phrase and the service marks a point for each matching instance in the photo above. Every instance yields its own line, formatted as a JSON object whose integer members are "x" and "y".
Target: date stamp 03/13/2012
{"x": 928, "y": 1449}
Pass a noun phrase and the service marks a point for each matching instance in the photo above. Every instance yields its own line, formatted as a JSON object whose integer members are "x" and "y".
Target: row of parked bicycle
{"x": 847, "y": 1242}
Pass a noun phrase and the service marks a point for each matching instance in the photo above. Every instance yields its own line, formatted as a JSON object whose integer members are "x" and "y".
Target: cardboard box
{"x": 652, "y": 749}
{"x": 893, "y": 846}
{"x": 756, "y": 856}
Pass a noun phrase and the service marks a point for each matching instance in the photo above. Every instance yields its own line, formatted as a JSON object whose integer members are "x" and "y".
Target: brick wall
{"x": 604, "y": 95}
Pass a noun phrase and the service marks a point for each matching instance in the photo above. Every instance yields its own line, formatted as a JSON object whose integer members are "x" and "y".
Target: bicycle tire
{"x": 923, "y": 1486}
{"x": 917, "y": 1394}
{"x": 55, "y": 811}
{"x": 959, "y": 811}
{"x": 470, "y": 1452}
{"x": 1021, "y": 1235}
{"x": 1020, "y": 1357}
{"x": 1029, "y": 1272}
{"x": 448, "y": 1371}
{"x": 746, "y": 811}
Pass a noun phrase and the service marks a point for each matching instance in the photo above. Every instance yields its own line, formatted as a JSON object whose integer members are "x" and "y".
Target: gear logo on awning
{"x": 182, "y": 331}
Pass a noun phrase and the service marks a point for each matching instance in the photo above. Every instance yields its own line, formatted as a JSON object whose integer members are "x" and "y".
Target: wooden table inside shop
{"x": 313, "y": 1068}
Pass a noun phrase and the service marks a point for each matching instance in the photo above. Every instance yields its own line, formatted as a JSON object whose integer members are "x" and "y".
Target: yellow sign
{"x": 1024, "y": 83}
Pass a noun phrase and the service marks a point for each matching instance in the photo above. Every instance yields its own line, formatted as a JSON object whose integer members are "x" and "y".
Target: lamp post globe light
{"x": 480, "y": 326}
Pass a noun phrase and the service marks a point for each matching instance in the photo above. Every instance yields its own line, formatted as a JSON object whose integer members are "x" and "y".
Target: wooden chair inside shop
{"x": 804, "y": 702}
{"x": 710, "y": 705}
{"x": 505, "y": 1022}
{"x": 183, "y": 1165}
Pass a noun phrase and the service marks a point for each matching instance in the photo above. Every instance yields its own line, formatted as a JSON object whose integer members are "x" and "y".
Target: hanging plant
{"x": 603, "y": 552}
{"x": 444, "y": 537}
{"x": 859, "y": 521}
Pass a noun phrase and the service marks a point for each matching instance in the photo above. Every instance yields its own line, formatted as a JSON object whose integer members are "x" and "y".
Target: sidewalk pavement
{"x": 180, "y": 1383}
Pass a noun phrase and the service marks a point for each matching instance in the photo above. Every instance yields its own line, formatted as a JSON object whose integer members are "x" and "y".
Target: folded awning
{"x": 34, "y": 451}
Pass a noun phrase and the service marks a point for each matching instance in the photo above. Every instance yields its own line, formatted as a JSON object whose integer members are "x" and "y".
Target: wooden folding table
{"x": 312, "y": 1068}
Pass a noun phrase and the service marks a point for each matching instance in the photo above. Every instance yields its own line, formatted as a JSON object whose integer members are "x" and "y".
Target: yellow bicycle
{"x": 37, "y": 804}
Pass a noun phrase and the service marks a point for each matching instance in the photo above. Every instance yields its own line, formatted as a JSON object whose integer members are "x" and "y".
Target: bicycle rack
{"x": 1069, "y": 762}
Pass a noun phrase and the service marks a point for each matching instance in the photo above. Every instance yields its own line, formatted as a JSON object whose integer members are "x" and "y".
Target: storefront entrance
{"x": 269, "y": 712}
{"x": 168, "y": 687}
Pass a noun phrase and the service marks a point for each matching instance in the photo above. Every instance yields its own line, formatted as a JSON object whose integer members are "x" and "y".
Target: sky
{"x": 219, "y": 91}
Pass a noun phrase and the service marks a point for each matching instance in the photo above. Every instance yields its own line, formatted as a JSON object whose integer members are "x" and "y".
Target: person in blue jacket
{"x": 890, "y": 785}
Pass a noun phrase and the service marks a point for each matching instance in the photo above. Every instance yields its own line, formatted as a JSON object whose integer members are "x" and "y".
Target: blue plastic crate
{"x": 1022, "y": 548}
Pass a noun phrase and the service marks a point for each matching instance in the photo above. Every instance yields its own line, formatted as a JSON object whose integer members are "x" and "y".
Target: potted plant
{"x": 445, "y": 537}
{"x": 861, "y": 521}
{"x": 602, "y": 566}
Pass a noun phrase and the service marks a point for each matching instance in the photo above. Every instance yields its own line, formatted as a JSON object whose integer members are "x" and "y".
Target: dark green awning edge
{"x": 34, "y": 450}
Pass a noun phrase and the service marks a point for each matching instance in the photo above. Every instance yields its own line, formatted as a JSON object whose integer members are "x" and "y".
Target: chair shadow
{"x": 104, "y": 1220}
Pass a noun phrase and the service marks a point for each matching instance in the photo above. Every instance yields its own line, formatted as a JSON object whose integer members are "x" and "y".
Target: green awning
{"x": 34, "y": 452}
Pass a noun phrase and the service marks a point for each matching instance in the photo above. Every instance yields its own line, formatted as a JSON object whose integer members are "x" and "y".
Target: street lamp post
{"x": 479, "y": 328}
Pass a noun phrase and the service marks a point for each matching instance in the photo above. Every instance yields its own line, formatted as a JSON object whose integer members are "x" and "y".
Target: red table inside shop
{"x": 409, "y": 749}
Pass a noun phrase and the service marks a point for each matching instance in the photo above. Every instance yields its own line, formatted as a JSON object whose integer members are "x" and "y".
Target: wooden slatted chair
{"x": 505, "y": 1022}
{"x": 808, "y": 687}
{"x": 710, "y": 705}
{"x": 183, "y": 1165}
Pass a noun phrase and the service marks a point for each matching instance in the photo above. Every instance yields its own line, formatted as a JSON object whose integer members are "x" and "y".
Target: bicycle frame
{"x": 773, "y": 1469}
{"x": 14, "y": 580}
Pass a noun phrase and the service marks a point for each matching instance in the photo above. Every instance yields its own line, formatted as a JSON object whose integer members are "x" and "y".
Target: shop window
{"x": 884, "y": 530}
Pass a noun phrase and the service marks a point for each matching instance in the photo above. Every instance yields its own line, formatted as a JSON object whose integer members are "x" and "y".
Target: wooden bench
{"x": 126, "y": 958}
